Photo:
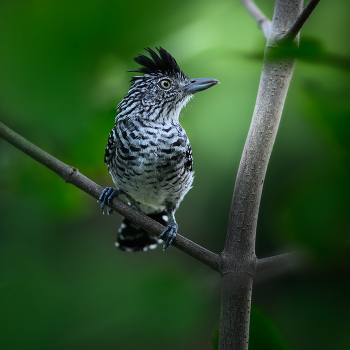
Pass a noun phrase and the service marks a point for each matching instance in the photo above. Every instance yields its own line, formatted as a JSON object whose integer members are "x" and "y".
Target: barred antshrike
{"x": 148, "y": 153}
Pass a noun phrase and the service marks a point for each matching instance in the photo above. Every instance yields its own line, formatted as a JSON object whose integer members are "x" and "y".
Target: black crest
{"x": 164, "y": 63}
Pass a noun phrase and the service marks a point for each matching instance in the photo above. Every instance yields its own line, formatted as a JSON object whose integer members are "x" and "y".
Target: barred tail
{"x": 132, "y": 238}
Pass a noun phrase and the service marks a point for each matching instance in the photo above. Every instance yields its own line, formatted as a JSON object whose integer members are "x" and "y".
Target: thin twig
{"x": 263, "y": 22}
{"x": 71, "y": 175}
{"x": 299, "y": 23}
{"x": 277, "y": 261}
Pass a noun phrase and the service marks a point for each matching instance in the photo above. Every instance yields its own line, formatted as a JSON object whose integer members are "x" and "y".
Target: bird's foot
{"x": 171, "y": 229}
{"x": 107, "y": 195}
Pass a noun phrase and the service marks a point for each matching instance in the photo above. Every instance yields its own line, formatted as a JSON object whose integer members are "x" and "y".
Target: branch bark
{"x": 263, "y": 22}
{"x": 239, "y": 262}
{"x": 294, "y": 30}
{"x": 71, "y": 175}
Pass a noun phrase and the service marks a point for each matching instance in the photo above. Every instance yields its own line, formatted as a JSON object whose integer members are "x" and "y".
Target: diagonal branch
{"x": 263, "y": 22}
{"x": 71, "y": 175}
{"x": 299, "y": 23}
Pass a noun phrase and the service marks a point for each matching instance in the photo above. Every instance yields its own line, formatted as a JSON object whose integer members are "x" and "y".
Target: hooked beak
{"x": 200, "y": 84}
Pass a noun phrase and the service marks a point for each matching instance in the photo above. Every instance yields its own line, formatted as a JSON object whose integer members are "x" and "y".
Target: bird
{"x": 148, "y": 153}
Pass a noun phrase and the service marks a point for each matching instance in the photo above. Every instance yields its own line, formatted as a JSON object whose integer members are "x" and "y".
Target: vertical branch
{"x": 238, "y": 256}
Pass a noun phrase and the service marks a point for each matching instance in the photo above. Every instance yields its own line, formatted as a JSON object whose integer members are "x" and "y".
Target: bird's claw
{"x": 106, "y": 196}
{"x": 171, "y": 229}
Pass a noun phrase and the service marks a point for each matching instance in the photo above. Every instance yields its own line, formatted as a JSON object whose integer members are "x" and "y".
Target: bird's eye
{"x": 165, "y": 84}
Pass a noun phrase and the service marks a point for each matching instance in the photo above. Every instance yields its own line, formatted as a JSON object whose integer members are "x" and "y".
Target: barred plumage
{"x": 148, "y": 153}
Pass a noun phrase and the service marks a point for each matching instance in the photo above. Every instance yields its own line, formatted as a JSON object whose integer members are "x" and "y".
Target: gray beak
{"x": 200, "y": 84}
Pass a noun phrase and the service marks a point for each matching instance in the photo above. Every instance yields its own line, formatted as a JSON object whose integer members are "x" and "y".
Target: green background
{"x": 63, "y": 284}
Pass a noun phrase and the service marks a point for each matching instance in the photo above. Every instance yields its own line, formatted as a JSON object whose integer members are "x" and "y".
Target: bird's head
{"x": 163, "y": 89}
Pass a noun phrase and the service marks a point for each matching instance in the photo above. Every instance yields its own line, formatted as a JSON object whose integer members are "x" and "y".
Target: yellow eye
{"x": 165, "y": 84}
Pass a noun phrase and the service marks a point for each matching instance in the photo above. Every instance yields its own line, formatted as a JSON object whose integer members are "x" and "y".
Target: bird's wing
{"x": 112, "y": 144}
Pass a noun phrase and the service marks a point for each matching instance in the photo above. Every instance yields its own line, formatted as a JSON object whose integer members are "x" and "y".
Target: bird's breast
{"x": 151, "y": 163}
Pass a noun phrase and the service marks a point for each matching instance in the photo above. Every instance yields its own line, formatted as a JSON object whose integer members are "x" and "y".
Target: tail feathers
{"x": 132, "y": 238}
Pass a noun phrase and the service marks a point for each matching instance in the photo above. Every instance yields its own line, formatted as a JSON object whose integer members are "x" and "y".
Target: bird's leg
{"x": 171, "y": 230}
{"x": 107, "y": 195}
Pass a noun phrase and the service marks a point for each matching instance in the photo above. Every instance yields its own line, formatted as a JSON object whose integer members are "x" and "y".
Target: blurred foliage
{"x": 63, "y": 285}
